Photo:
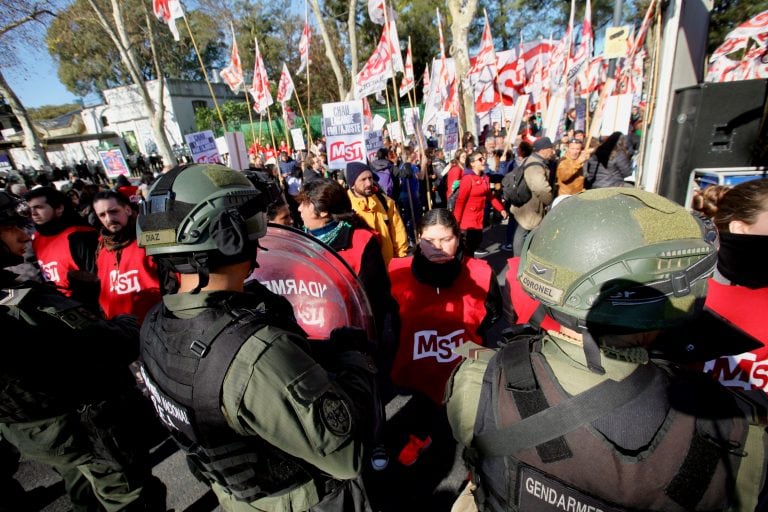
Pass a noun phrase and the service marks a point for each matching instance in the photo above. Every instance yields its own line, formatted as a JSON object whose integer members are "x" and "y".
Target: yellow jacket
{"x": 385, "y": 220}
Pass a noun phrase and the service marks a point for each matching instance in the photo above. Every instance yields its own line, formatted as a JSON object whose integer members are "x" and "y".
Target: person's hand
{"x": 504, "y": 214}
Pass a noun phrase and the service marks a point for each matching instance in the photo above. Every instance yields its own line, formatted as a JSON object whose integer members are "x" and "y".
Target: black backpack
{"x": 515, "y": 188}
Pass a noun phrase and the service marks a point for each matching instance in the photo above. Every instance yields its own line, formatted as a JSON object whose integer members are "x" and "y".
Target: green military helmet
{"x": 619, "y": 257}
{"x": 202, "y": 208}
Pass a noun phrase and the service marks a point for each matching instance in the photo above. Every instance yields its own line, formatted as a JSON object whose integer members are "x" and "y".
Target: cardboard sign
{"x": 298, "y": 139}
{"x": 616, "y": 42}
{"x": 395, "y": 131}
{"x": 409, "y": 121}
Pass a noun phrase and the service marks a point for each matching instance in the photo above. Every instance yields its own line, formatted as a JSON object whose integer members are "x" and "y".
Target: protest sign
{"x": 451, "y": 137}
{"x": 343, "y": 129}
{"x": 374, "y": 140}
{"x": 202, "y": 146}
{"x": 114, "y": 163}
{"x": 298, "y": 139}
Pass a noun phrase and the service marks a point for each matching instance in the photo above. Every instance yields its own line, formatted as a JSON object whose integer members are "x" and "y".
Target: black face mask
{"x": 439, "y": 275}
{"x": 742, "y": 259}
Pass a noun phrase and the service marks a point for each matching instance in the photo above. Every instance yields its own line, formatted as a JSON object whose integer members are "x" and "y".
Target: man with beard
{"x": 379, "y": 212}
{"x": 63, "y": 242}
{"x": 129, "y": 279}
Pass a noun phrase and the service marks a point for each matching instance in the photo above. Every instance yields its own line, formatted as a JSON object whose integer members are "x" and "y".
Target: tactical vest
{"x": 655, "y": 452}
{"x": 50, "y": 361}
{"x": 184, "y": 362}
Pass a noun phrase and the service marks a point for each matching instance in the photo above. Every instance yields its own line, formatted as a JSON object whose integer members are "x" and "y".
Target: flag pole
{"x": 261, "y": 120}
{"x": 495, "y": 81}
{"x": 309, "y": 51}
{"x": 271, "y": 132}
{"x": 306, "y": 121}
{"x": 389, "y": 108}
{"x": 285, "y": 128}
{"x": 205, "y": 73}
{"x": 250, "y": 116}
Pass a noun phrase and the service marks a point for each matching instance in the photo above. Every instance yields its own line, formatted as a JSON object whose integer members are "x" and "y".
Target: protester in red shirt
{"x": 446, "y": 300}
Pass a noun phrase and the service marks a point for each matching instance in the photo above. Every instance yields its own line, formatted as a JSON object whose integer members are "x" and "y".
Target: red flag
{"x": 306, "y": 35}
{"x": 285, "y": 86}
{"x": 262, "y": 98}
{"x": 486, "y": 56}
{"x": 408, "y": 81}
{"x": 167, "y": 11}
{"x": 233, "y": 74}
{"x": 443, "y": 80}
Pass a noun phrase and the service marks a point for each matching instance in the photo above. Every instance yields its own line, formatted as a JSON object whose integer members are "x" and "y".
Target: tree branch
{"x": 31, "y": 17}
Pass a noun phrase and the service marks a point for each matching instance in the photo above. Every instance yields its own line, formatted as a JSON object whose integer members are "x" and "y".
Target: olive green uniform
{"x": 58, "y": 363}
{"x": 275, "y": 393}
{"x": 568, "y": 364}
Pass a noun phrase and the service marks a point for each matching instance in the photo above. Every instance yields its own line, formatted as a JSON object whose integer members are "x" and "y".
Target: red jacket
{"x": 129, "y": 283}
{"x": 473, "y": 192}
{"x": 745, "y": 308}
{"x": 55, "y": 256}
{"x": 433, "y": 321}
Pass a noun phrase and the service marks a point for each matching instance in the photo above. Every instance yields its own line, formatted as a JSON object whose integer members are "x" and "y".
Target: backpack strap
{"x": 380, "y": 195}
{"x": 554, "y": 422}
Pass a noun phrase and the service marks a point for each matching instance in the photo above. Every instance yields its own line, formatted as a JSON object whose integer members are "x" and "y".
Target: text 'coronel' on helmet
{"x": 14, "y": 211}
{"x": 618, "y": 257}
{"x": 203, "y": 208}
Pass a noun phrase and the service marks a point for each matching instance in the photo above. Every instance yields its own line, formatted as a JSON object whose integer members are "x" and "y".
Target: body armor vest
{"x": 184, "y": 363}
{"x": 659, "y": 451}
{"x": 49, "y": 365}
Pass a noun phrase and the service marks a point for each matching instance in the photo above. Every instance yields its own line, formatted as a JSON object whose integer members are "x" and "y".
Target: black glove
{"x": 345, "y": 339}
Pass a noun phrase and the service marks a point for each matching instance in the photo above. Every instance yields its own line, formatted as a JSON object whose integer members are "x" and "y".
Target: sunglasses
{"x": 479, "y": 159}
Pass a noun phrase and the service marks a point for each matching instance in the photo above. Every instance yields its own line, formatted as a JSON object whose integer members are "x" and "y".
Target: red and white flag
{"x": 285, "y": 86}
{"x": 167, "y": 11}
{"x": 583, "y": 53}
{"x": 443, "y": 80}
{"x": 407, "y": 83}
{"x": 262, "y": 98}
{"x": 639, "y": 38}
{"x": 233, "y": 74}
{"x": 425, "y": 81}
{"x": 306, "y": 36}
{"x": 486, "y": 55}
{"x": 394, "y": 42}
{"x": 377, "y": 70}
{"x": 376, "y": 11}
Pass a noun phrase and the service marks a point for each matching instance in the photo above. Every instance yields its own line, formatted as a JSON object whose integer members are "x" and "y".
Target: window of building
{"x": 198, "y": 104}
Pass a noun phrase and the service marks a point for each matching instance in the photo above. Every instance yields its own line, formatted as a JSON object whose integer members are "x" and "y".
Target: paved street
{"x": 431, "y": 484}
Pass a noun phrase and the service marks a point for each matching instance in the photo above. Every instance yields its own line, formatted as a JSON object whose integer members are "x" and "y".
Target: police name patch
{"x": 162, "y": 236}
{"x": 335, "y": 414}
{"x": 545, "y": 291}
{"x": 537, "y": 493}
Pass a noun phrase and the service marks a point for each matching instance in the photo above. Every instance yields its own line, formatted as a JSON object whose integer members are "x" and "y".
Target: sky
{"x": 35, "y": 81}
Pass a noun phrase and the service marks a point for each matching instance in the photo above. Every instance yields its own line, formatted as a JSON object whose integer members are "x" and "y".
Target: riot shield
{"x": 323, "y": 289}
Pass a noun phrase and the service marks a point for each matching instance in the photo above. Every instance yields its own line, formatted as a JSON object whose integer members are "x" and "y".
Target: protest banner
{"x": 343, "y": 129}
{"x": 202, "y": 146}
{"x": 114, "y": 163}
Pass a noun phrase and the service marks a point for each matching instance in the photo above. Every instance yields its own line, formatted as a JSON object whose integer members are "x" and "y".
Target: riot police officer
{"x": 582, "y": 418}
{"x": 269, "y": 420}
{"x": 64, "y": 382}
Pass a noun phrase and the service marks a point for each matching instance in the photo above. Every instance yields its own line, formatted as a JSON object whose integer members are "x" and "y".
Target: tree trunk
{"x": 119, "y": 38}
{"x": 462, "y": 14}
{"x": 31, "y": 140}
{"x": 329, "y": 49}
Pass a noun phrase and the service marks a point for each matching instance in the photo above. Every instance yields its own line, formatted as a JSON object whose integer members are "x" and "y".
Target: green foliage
{"x": 51, "y": 111}
{"x": 89, "y": 62}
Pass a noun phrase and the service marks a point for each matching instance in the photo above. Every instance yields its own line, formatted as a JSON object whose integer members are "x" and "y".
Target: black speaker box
{"x": 713, "y": 125}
